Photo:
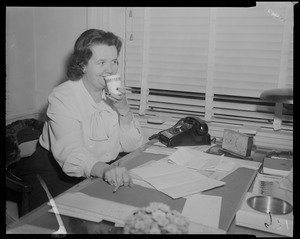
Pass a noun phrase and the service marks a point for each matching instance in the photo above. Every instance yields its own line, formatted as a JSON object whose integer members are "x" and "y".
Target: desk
{"x": 41, "y": 218}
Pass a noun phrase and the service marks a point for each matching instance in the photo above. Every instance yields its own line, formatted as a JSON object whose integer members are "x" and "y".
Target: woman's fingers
{"x": 118, "y": 176}
{"x": 110, "y": 177}
{"x": 127, "y": 180}
{"x": 124, "y": 176}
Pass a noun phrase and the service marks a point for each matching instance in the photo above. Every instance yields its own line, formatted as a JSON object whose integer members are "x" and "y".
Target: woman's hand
{"x": 119, "y": 101}
{"x": 117, "y": 176}
{"x": 112, "y": 174}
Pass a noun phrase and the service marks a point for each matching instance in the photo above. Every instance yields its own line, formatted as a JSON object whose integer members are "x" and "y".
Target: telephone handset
{"x": 186, "y": 132}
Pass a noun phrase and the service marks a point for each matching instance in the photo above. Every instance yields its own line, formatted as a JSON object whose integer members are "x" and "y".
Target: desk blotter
{"x": 232, "y": 193}
{"x": 136, "y": 196}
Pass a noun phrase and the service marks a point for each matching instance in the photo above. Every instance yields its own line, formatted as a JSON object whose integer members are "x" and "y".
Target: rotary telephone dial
{"x": 186, "y": 132}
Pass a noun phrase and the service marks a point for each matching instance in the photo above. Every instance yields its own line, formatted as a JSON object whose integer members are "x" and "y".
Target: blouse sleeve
{"x": 131, "y": 137}
{"x": 66, "y": 140}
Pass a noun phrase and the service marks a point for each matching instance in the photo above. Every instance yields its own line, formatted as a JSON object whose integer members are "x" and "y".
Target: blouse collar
{"x": 102, "y": 105}
{"x": 100, "y": 118}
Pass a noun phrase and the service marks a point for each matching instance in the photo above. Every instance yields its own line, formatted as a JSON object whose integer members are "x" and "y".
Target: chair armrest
{"x": 16, "y": 184}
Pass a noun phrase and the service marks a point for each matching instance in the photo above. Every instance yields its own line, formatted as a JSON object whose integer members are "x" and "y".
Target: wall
{"x": 109, "y": 19}
{"x": 56, "y": 31}
{"x": 38, "y": 42}
{"x": 20, "y": 61}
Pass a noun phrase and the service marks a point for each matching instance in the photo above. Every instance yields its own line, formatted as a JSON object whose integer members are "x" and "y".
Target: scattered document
{"x": 203, "y": 209}
{"x": 197, "y": 228}
{"x": 195, "y": 159}
{"x": 270, "y": 186}
{"x": 83, "y": 206}
{"x": 202, "y": 148}
{"x": 159, "y": 148}
{"x": 174, "y": 180}
{"x": 136, "y": 179}
{"x": 155, "y": 149}
{"x": 287, "y": 182}
{"x": 30, "y": 229}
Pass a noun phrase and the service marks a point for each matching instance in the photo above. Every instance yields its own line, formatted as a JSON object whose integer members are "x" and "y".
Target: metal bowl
{"x": 268, "y": 204}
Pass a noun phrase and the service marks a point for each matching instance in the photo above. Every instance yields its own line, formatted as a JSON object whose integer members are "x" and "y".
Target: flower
{"x": 157, "y": 218}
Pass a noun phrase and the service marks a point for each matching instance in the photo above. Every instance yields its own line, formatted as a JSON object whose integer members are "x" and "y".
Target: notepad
{"x": 277, "y": 166}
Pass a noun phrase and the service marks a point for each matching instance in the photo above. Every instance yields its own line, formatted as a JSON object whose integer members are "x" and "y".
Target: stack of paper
{"x": 30, "y": 229}
{"x": 93, "y": 209}
{"x": 174, "y": 180}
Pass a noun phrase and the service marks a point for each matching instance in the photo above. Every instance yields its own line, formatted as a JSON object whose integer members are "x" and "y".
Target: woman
{"x": 86, "y": 127}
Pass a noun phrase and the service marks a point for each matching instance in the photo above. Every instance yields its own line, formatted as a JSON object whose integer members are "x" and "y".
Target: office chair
{"x": 17, "y": 133}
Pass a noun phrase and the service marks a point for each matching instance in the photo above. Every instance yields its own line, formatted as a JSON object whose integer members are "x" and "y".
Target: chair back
{"x": 19, "y": 132}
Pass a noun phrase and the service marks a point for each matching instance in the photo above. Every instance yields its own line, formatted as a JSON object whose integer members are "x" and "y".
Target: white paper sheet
{"x": 159, "y": 148}
{"x": 191, "y": 158}
{"x": 270, "y": 186}
{"x": 174, "y": 180}
{"x": 94, "y": 209}
{"x": 203, "y": 209}
{"x": 154, "y": 149}
{"x": 197, "y": 228}
{"x": 78, "y": 213}
{"x": 30, "y": 229}
{"x": 213, "y": 166}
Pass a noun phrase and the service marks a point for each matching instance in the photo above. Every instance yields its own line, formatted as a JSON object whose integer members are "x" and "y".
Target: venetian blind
{"x": 252, "y": 53}
{"x": 209, "y": 62}
{"x": 169, "y": 65}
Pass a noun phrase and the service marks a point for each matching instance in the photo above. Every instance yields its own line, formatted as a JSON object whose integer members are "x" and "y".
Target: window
{"x": 211, "y": 62}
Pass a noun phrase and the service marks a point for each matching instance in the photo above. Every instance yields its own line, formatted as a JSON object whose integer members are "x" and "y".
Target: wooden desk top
{"x": 45, "y": 221}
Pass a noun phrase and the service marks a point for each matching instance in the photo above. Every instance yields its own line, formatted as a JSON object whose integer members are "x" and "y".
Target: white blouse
{"x": 80, "y": 132}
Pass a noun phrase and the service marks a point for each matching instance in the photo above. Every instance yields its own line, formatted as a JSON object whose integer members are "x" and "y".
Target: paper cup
{"x": 113, "y": 82}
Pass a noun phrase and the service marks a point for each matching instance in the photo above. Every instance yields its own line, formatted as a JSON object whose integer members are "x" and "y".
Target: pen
{"x": 116, "y": 188}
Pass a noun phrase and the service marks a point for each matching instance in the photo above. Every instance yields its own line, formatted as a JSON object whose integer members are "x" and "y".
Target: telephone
{"x": 186, "y": 132}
